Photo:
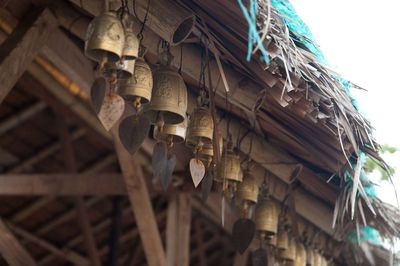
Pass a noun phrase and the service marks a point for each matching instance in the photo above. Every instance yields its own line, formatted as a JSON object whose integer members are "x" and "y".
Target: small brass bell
{"x": 266, "y": 218}
{"x": 301, "y": 255}
{"x": 289, "y": 254}
{"x": 121, "y": 70}
{"x": 324, "y": 262}
{"x": 172, "y": 134}
{"x": 229, "y": 168}
{"x": 131, "y": 45}
{"x": 317, "y": 259}
{"x": 206, "y": 153}
{"x": 201, "y": 128}
{"x": 282, "y": 239}
{"x": 105, "y": 38}
{"x": 169, "y": 96}
{"x": 310, "y": 256}
{"x": 248, "y": 189}
{"x": 272, "y": 240}
{"x": 139, "y": 85}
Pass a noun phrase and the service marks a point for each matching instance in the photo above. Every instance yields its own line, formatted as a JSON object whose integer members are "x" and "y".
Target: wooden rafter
{"x": 12, "y": 250}
{"x": 21, "y": 47}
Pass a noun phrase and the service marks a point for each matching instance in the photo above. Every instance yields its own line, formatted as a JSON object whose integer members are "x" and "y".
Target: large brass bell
{"x": 169, "y": 96}
{"x": 121, "y": 70}
{"x": 171, "y": 134}
{"x": 229, "y": 168}
{"x": 140, "y": 85}
{"x": 105, "y": 38}
{"x": 201, "y": 128}
{"x": 289, "y": 254}
{"x": 266, "y": 218}
{"x": 301, "y": 255}
{"x": 247, "y": 191}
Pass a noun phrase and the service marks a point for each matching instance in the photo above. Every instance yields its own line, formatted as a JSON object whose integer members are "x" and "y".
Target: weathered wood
{"x": 22, "y": 116}
{"x": 68, "y": 255}
{"x": 200, "y": 245}
{"x": 82, "y": 215}
{"x": 21, "y": 47}
{"x": 62, "y": 184}
{"x": 12, "y": 251}
{"x": 115, "y": 232}
{"x": 141, "y": 205}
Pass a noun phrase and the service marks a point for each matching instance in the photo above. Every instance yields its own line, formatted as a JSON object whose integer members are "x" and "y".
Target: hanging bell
{"x": 169, "y": 96}
{"x": 131, "y": 45}
{"x": 229, "y": 168}
{"x": 310, "y": 256}
{"x": 272, "y": 240}
{"x": 171, "y": 134}
{"x": 324, "y": 262}
{"x": 121, "y": 70}
{"x": 289, "y": 254}
{"x": 317, "y": 259}
{"x": 206, "y": 153}
{"x": 266, "y": 218}
{"x": 105, "y": 38}
{"x": 282, "y": 240}
{"x": 139, "y": 85}
{"x": 301, "y": 255}
{"x": 201, "y": 128}
{"x": 247, "y": 190}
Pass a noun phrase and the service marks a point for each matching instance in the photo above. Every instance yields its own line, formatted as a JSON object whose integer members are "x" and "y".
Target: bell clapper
{"x": 170, "y": 142}
{"x": 136, "y": 103}
{"x": 160, "y": 121}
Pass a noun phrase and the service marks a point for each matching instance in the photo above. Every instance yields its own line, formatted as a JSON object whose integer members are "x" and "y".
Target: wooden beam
{"x": 21, "y": 47}
{"x": 199, "y": 241}
{"x": 12, "y": 250}
{"x": 178, "y": 229}
{"x": 141, "y": 205}
{"x": 115, "y": 231}
{"x": 68, "y": 255}
{"x": 62, "y": 184}
{"x": 82, "y": 215}
{"x": 21, "y": 116}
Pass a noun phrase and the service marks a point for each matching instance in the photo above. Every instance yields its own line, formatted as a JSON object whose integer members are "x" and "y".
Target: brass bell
{"x": 172, "y": 134}
{"x": 289, "y": 254}
{"x": 317, "y": 259}
{"x": 310, "y": 256}
{"x": 301, "y": 255}
{"x": 169, "y": 96}
{"x": 206, "y": 153}
{"x": 324, "y": 262}
{"x": 121, "y": 70}
{"x": 266, "y": 218}
{"x": 131, "y": 45}
{"x": 229, "y": 168}
{"x": 105, "y": 38}
{"x": 140, "y": 84}
{"x": 248, "y": 189}
{"x": 282, "y": 239}
{"x": 201, "y": 128}
{"x": 272, "y": 240}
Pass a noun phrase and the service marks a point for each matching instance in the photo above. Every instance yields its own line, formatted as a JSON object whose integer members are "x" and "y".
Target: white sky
{"x": 361, "y": 40}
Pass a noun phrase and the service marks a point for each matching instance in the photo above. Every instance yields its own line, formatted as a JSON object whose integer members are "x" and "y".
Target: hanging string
{"x": 180, "y": 61}
{"x": 140, "y": 34}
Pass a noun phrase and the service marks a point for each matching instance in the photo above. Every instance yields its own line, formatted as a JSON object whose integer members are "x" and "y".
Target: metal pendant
{"x": 243, "y": 232}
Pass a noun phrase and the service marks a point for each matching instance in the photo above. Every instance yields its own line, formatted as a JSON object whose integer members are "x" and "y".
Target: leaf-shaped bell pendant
{"x": 169, "y": 96}
{"x": 137, "y": 89}
{"x": 105, "y": 38}
{"x": 266, "y": 218}
{"x": 247, "y": 191}
{"x": 200, "y": 130}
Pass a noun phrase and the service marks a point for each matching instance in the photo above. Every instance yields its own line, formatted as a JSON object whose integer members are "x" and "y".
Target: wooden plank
{"x": 68, "y": 255}
{"x": 12, "y": 250}
{"x": 21, "y": 47}
{"x": 62, "y": 184}
{"x": 141, "y": 205}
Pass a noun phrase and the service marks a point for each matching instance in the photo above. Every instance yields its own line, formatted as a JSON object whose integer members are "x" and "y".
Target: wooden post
{"x": 115, "y": 231}
{"x": 12, "y": 251}
{"x": 21, "y": 47}
{"x": 141, "y": 205}
{"x": 178, "y": 230}
{"x": 82, "y": 215}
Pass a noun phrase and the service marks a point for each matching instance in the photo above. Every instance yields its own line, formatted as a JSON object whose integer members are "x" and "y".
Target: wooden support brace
{"x": 21, "y": 47}
{"x": 12, "y": 250}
